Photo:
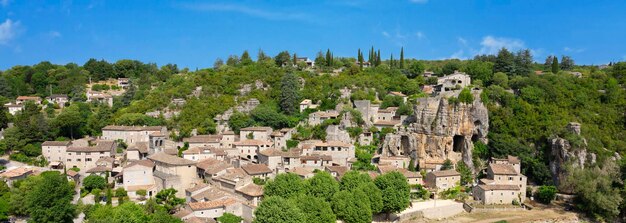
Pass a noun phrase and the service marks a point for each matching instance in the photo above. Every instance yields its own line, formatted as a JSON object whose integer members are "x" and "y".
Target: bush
{"x": 94, "y": 181}
{"x": 75, "y": 169}
{"x": 292, "y": 143}
{"x": 229, "y": 218}
{"x": 545, "y": 194}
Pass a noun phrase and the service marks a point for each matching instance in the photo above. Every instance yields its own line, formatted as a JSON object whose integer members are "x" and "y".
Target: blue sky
{"x": 194, "y": 33}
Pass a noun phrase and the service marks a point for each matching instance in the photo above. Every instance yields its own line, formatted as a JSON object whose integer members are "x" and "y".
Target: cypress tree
{"x": 555, "y": 65}
{"x": 378, "y": 58}
{"x": 360, "y": 58}
{"x": 391, "y": 61}
{"x": 328, "y": 58}
{"x": 402, "y": 58}
{"x": 295, "y": 59}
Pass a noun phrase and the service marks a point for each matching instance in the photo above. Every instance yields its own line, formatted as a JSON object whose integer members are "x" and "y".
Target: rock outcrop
{"x": 563, "y": 153}
{"x": 440, "y": 131}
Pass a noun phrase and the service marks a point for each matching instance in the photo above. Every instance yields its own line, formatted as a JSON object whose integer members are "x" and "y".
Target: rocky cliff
{"x": 439, "y": 131}
{"x": 563, "y": 153}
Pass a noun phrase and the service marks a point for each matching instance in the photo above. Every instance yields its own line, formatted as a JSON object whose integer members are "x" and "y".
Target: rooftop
{"x": 56, "y": 143}
{"x": 203, "y": 139}
{"x": 498, "y": 187}
{"x": 502, "y": 169}
{"x": 260, "y": 128}
{"x": 251, "y": 142}
{"x": 17, "y": 172}
{"x": 212, "y": 204}
{"x": 169, "y": 159}
{"x": 251, "y": 189}
{"x": 131, "y": 128}
{"x": 445, "y": 173}
{"x": 255, "y": 169}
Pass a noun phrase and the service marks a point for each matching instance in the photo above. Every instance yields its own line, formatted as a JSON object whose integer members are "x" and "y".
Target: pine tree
{"x": 378, "y": 58}
{"x": 402, "y": 58}
{"x": 372, "y": 56}
{"x": 391, "y": 61}
{"x": 360, "y": 58}
{"x": 555, "y": 65}
{"x": 295, "y": 59}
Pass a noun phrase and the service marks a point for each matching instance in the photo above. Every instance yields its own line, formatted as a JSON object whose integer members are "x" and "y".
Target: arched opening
{"x": 404, "y": 144}
{"x": 458, "y": 142}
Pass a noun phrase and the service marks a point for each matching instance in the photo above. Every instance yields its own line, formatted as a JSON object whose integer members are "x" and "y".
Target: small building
{"x": 398, "y": 94}
{"x": 316, "y": 161}
{"x": 131, "y": 134}
{"x": 55, "y": 151}
{"x": 303, "y": 172}
{"x": 173, "y": 172}
{"x": 278, "y": 159}
{"x": 100, "y": 97}
{"x": 137, "y": 151}
{"x": 497, "y": 194}
{"x": 123, "y": 82}
{"x": 18, "y": 173}
{"x": 442, "y": 180}
{"x": 14, "y": 108}
{"x": 215, "y": 209}
{"x": 85, "y": 157}
{"x": 23, "y": 99}
{"x": 59, "y": 99}
{"x": 457, "y": 80}
{"x": 256, "y": 133}
{"x": 250, "y": 148}
{"x": 138, "y": 175}
{"x": 366, "y": 138}
{"x": 307, "y": 103}
{"x": 317, "y": 118}
{"x": 395, "y": 161}
{"x": 306, "y": 60}
{"x": 339, "y": 151}
{"x": 204, "y": 141}
{"x": 337, "y": 171}
{"x": 210, "y": 168}
{"x": 258, "y": 171}
{"x": 280, "y": 137}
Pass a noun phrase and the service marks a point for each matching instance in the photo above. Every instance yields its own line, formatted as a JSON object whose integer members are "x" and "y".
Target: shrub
{"x": 545, "y": 194}
{"x": 94, "y": 181}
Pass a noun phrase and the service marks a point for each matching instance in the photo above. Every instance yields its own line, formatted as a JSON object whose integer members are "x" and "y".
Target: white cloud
{"x": 54, "y": 34}
{"x": 458, "y": 55}
{"x": 420, "y": 35}
{"x": 491, "y": 44}
{"x": 574, "y": 50}
{"x": 462, "y": 41}
{"x": 386, "y": 34}
{"x": 418, "y": 1}
{"x": 254, "y": 12}
{"x": 8, "y": 31}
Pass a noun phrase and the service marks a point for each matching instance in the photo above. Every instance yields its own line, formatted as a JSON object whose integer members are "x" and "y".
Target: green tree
{"x": 479, "y": 70}
{"x": 229, "y": 218}
{"x": 285, "y": 185}
{"x": 546, "y": 194}
{"x": 504, "y": 61}
{"x": 395, "y": 190}
{"x": 282, "y": 58}
{"x": 94, "y": 181}
{"x": 374, "y": 195}
{"x": 239, "y": 120}
{"x": 69, "y": 122}
{"x": 245, "y": 58}
{"x": 465, "y": 96}
{"x": 402, "y": 58}
{"x": 167, "y": 198}
{"x": 322, "y": 185}
{"x": 289, "y": 94}
{"x": 275, "y": 209}
{"x": 555, "y": 65}
{"x": 50, "y": 199}
{"x": 351, "y": 209}
{"x": 447, "y": 165}
{"x": 109, "y": 197}
{"x": 315, "y": 209}
{"x": 501, "y": 79}
{"x": 416, "y": 69}
{"x": 465, "y": 171}
{"x": 353, "y": 179}
{"x": 567, "y": 63}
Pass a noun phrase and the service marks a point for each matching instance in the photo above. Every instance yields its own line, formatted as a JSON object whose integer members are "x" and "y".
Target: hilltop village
{"x": 294, "y": 146}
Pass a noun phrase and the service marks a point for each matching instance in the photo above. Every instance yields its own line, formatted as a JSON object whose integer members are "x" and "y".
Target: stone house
{"x": 316, "y": 161}
{"x": 395, "y": 161}
{"x": 210, "y": 168}
{"x": 442, "y": 180}
{"x": 251, "y": 192}
{"x": 277, "y": 159}
{"x": 131, "y": 134}
{"x": 204, "y": 141}
{"x": 317, "y": 118}
{"x": 138, "y": 175}
{"x": 307, "y": 103}
{"x": 503, "y": 184}
{"x": 14, "y": 174}
{"x": 280, "y": 137}
{"x": 14, "y": 108}
{"x": 215, "y": 209}
{"x": 173, "y": 172}
{"x": 138, "y": 151}
{"x": 55, "y": 151}
{"x": 228, "y": 138}
{"x": 59, "y": 99}
{"x": 85, "y": 157}
{"x": 303, "y": 172}
{"x": 496, "y": 194}
{"x": 23, "y": 99}
{"x": 256, "y": 133}
{"x": 369, "y": 110}
{"x": 100, "y": 97}
{"x": 339, "y": 151}
{"x": 232, "y": 179}
{"x": 366, "y": 138}
{"x": 457, "y": 80}
{"x": 258, "y": 171}
{"x": 123, "y": 82}
{"x": 249, "y": 148}
{"x": 399, "y": 94}
{"x": 337, "y": 171}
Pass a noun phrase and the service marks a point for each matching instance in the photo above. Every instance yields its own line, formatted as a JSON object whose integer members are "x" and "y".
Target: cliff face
{"x": 564, "y": 153}
{"x": 440, "y": 131}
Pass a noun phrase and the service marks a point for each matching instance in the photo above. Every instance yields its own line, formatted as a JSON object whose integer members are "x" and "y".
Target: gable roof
{"x": 203, "y": 139}
{"x": 145, "y": 163}
{"x": 255, "y": 169}
{"x": 212, "y": 204}
{"x": 101, "y": 146}
{"x": 56, "y": 143}
{"x": 255, "y": 129}
{"x": 169, "y": 159}
{"x": 251, "y": 189}
{"x": 132, "y": 128}
{"x": 498, "y": 187}
{"x": 212, "y": 166}
{"x": 142, "y": 147}
{"x": 502, "y": 169}
{"x": 445, "y": 173}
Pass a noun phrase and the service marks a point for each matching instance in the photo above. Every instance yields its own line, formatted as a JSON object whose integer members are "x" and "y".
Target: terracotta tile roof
{"x": 139, "y": 187}
{"x": 388, "y": 110}
{"x": 302, "y": 171}
{"x": 251, "y": 142}
{"x": 145, "y": 163}
{"x": 409, "y": 174}
{"x": 277, "y": 152}
{"x": 17, "y": 172}
{"x": 395, "y": 93}
{"x": 101, "y": 146}
{"x": 212, "y": 166}
{"x": 333, "y": 144}
{"x": 228, "y": 133}
{"x": 326, "y": 114}
{"x": 445, "y": 173}
{"x": 197, "y": 187}
{"x": 182, "y": 213}
{"x": 56, "y": 143}
{"x": 23, "y": 98}
{"x": 72, "y": 173}
{"x": 513, "y": 159}
{"x": 53, "y": 96}
{"x": 502, "y": 169}
{"x": 169, "y": 159}
{"x": 251, "y": 189}
{"x": 195, "y": 219}
{"x": 277, "y": 134}
{"x": 255, "y": 129}
{"x": 212, "y": 204}
{"x": 210, "y": 194}
{"x": 142, "y": 147}
{"x": 203, "y": 139}
{"x": 256, "y": 169}
{"x": 387, "y": 123}
{"x": 132, "y": 128}
{"x": 340, "y": 170}
{"x": 99, "y": 169}
{"x": 386, "y": 169}
{"x": 498, "y": 187}
{"x": 233, "y": 174}
{"x": 316, "y": 157}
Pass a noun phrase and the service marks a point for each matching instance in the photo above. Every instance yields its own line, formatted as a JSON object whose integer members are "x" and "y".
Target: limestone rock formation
{"x": 440, "y": 131}
{"x": 564, "y": 153}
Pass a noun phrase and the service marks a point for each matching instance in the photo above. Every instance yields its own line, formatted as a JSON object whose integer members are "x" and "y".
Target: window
{"x": 87, "y": 153}
{"x": 101, "y": 152}
{"x": 78, "y": 160}
{"x": 69, "y": 160}
{"x": 77, "y": 153}
{"x": 510, "y": 178}
{"x": 88, "y": 159}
